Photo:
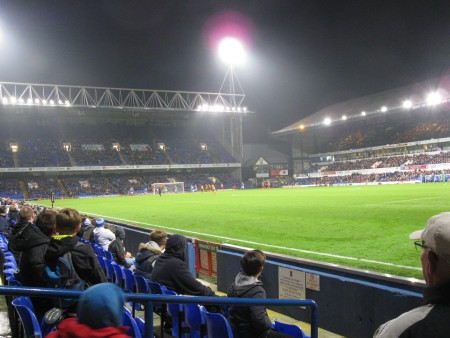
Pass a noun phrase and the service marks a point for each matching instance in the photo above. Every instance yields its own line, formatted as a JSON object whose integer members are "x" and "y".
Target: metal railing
{"x": 148, "y": 300}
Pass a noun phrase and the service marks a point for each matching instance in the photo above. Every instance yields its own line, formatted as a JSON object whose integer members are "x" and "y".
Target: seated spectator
{"x": 250, "y": 321}
{"x": 121, "y": 257}
{"x": 88, "y": 230}
{"x": 431, "y": 319}
{"x": 102, "y": 235}
{"x": 19, "y": 239}
{"x": 149, "y": 252}
{"x": 85, "y": 263}
{"x": 171, "y": 269}
{"x": 99, "y": 315}
{"x": 3, "y": 221}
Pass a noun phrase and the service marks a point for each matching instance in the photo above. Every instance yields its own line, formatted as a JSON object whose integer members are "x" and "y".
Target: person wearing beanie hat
{"x": 431, "y": 319}
{"x": 121, "y": 257}
{"x": 103, "y": 236}
{"x": 99, "y": 314}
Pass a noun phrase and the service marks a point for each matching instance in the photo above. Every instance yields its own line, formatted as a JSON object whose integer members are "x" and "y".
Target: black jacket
{"x": 147, "y": 255}
{"x": 21, "y": 237}
{"x": 116, "y": 248}
{"x": 248, "y": 321}
{"x": 3, "y": 223}
{"x": 84, "y": 260}
{"x": 172, "y": 270}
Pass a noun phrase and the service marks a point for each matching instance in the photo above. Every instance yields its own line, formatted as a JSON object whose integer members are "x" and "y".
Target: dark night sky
{"x": 303, "y": 55}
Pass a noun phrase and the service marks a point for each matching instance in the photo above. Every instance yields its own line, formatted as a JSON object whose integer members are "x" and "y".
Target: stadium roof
{"x": 387, "y": 102}
{"x": 253, "y": 152}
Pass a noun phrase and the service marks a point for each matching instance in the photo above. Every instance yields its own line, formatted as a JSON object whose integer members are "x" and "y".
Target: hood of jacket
{"x": 176, "y": 246}
{"x": 242, "y": 284}
{"x": 150, "y": 246}
{"x": 26, "y": 235}
{"x": 58, "y": 247}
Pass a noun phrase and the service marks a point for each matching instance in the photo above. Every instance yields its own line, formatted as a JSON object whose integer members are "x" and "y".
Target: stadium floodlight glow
{"x": 44, "y": 101}
{"x": 30, "y": 101}
{"x": 344, "y": 117}
{"x": 363, "y": 113}
{"x": 231, "y": 51}
{"x": 301, "y": 127}
{"x": 52, "y": 102}
{"x": 434, "y": 99}
{"x": 21, "y": 101}
{"x": 67, "y": 103}
{"x": 244, "y": 109}
{"x": 36, "y": 101}
{"x": 13, "y": 100}
{"x": 384, "y": 109}
{"x": 5, "y": 100}
{"x": 60, "y": 102}
{"x": 407, "y": 104}
{"x": 327, "y": 121}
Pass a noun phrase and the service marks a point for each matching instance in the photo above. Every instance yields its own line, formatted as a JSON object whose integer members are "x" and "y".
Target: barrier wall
{"x": 350, "y": 304}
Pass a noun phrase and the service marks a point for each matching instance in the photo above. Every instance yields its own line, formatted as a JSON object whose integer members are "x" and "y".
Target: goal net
{"x": 168, "y": 188}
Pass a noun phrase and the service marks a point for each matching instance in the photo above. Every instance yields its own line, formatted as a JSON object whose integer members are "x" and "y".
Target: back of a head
{"x": 176, "y": 246}
{"x": 101, "y": 306}
{"x": 67, "y": 221}
{"x": 46, "y": 221}
{"x": 2, "y": 210}
{"x": 158, "y": 236}
{"x": 26, "y": 212}
{"x": 120, "y": 232}
{"x": 252, "y": 262}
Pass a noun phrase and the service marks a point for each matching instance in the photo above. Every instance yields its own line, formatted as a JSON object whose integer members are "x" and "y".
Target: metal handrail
{"x": 149, "y": 299}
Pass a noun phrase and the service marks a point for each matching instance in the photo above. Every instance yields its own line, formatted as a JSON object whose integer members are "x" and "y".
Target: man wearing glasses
{"x": 432, "y": 319}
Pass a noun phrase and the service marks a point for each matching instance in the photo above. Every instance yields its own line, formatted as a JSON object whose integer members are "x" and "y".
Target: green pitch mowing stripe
{"x": 363, "y": 227}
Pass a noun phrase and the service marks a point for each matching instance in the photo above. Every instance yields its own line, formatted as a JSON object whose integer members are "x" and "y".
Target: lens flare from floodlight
{"x": 327, "y": 121}
{"x": 407, "y": 104}
{"x": 384, "y": 109}
{"x": 434, "y": 99}
{"x": 363, "y": 113}
{"x": 301, "y": 127}
{"x": 344, "y": 117}
{"x": 232, "y": 51}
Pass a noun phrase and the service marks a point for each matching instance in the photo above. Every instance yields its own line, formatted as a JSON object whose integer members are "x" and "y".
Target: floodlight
{"x": 407, "y": 104}
{"x": 301, "y": 127}
{"x": 5, "y": 100}
{"x": 67, "y": 103}
{"x": 244, "y": 109}
{"x": 13, "y": 99}
{"x": 52, "y": 102}
{"x": 384, "y": 109}
{"x": 434, "y": 99}
{"x": 21, "y": 101}
{"x": 44, "y": 101}
{"x": 363, "y": 113}
{"x": 231, "y": 51}
{"x": 199, "y": 107}
{"x": 36, "y": 101}
{"x": 30, "y": 101}
{"x": 327, "y": 121}
{"x": 60, "y": 102}
{"x": 344, "y": 117}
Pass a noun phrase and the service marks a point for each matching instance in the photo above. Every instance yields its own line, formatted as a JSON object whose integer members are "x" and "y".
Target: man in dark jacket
{"x": 3, "y": 220}
{"x": 85, "y": 263}
{"x": 23, "y": 232}
{"x": 117, "y": 250}
{"x": 250, "y": 321}
{"x": 149, "y": 252}
{"x": 171, "y": 269}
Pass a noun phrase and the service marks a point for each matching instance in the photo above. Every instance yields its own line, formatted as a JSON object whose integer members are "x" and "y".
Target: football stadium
{"x": 324, "y": 209}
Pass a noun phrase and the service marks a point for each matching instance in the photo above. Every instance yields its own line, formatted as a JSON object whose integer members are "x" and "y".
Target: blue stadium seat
{"x": 129, "y": 281}
{"x": 195, "y": 320}
{"x": 176, "y": 311}
{"x": 118, "y": 274}
{"x": 12, "y": 281}
{"x": 217, "y": 325}
{"x": 10, "y": 265}
{"x": 109, "y": 271}
{"x": 25, "y": 309}
{"x": 108, "y": 255}
{"x": 290, "y": 329}
{"x": 128, "y": 320}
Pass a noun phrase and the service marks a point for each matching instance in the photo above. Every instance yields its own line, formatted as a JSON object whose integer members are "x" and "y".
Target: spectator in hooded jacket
{"x": 22, "y": 234}
{"x": 99, "y": 315}
{"x": 3, "y": 220}
{"x": 121, "y": 257}
{"x": 171, "y": 269}
{"x": 149, "y": 252}
{"x": 250, "y": 321}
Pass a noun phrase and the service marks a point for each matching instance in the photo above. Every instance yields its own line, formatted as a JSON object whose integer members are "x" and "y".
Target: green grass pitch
{"x": 365, "y": 227}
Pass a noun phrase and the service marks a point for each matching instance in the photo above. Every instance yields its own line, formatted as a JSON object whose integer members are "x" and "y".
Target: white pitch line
{"x": 399, "y": 201}
{"x": 262, "y": 244}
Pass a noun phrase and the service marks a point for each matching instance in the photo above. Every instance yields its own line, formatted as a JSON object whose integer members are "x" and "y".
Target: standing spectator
{"x": 431, "y": 319}
{"x": 103, "y": 236}
{"x": 99, "y": 315}
{"x": 20, "y": 231}
{"x": 171, "y": 269}
{"x": 149, "y": 252}
{"x": 250, "y": 321}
